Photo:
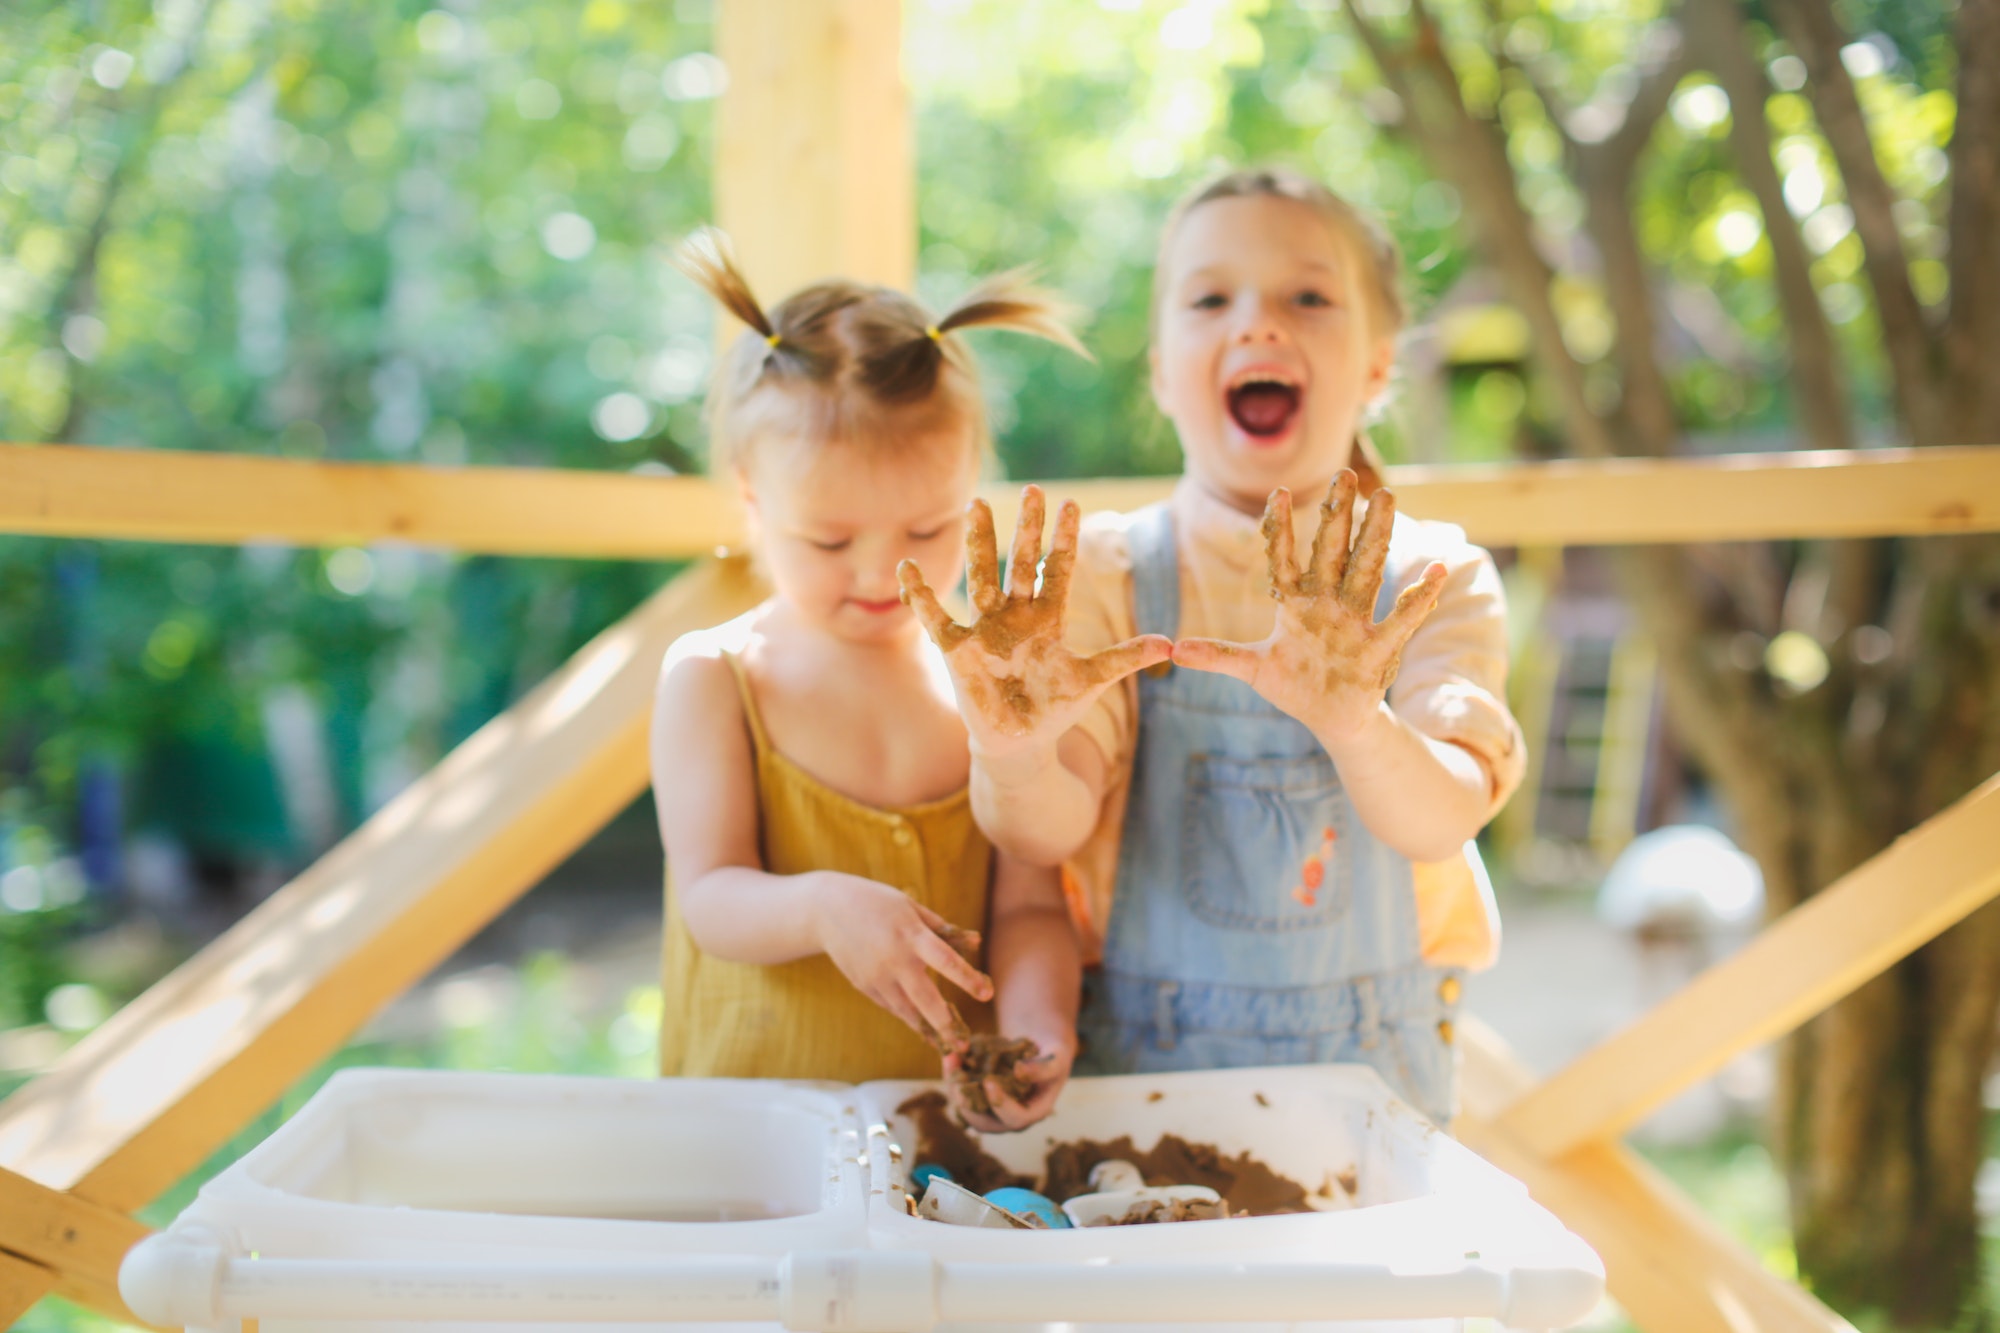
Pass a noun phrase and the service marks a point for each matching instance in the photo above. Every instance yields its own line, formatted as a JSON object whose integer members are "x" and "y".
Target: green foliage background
{"x": 333, "y": 230}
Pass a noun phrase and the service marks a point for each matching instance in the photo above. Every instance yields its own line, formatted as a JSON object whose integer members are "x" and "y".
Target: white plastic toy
{"x": 396, "y": 1199}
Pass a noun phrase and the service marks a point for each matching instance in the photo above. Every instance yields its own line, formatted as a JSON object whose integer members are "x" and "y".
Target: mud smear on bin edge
{"x": 1248, "y": 1186}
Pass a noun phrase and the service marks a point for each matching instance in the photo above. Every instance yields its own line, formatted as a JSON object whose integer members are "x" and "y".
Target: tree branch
{"x": 1972, "y": 329}
{"x": 1719, "y": 706}
{"x": 1656, "y": 89}
{"x": 1813, "y": 32}
{"x": 78, "y": 286}
{"x": 1818, "y": 375}
{"x": 1605, "y": 172}
{"x": 1473, "y": 152}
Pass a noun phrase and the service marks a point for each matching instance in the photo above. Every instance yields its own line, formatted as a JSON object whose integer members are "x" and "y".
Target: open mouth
{"x": 1263, "y": 405}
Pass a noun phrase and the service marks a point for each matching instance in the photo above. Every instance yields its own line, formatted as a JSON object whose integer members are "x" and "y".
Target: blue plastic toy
{"x": 1026, "y": 1204}
{"x": 922, "y": 1174}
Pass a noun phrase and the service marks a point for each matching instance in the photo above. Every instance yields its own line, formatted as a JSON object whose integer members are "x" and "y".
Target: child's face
{"x": 1263, "y": 355}
{"x": 833, "y": 522}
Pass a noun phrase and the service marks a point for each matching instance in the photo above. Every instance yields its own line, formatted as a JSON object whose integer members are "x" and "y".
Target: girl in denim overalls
{"x": 1264, "y": 836}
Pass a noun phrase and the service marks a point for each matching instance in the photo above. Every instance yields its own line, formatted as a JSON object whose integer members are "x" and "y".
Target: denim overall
{"x": 1256, "y": 920}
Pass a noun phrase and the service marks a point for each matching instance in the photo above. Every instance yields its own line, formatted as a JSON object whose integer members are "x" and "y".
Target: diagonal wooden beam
{"x": 151, "y": 1094}
{"x": 78, "y": 1245}
{"x": 161, "y": 495}
{"x": 22, "y": 1283}
{"x": 1919, "y": 886}
{"x": 1671, "y": 1268}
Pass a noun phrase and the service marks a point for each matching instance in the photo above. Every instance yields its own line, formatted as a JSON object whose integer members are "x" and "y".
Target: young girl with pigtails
{"x": 828, "y": 883}
{"x": 1266, "y": 837}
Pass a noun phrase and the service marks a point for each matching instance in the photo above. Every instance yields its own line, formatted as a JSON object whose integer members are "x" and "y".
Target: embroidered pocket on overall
{"x": 1261, "y": 843}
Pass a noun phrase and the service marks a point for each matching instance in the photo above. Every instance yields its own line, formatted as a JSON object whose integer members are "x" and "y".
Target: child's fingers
{"x": 983, "y": 1122}
{"x": 1362, "y": 581}
{"x": 982, "y": 559}
{"x": 950, "y": 964}
{"x": 1220, "y": 656}
{"x": 1027, "y": 552}
{"x": 947, "y": 1027}
{"x": 1042, "y": 1070}
{"x": 1335, "y": 532}
{"x": 892, "y": 1000}
{"x": 1038, "y": 1106}
{"x": 964, "y": 940}
{"x": 1413, "y": 605}
{"x": 1279, "y": 546}
{"x": 1005, "y": 1109}
{"x": 945, "y": 632}
{"x": 1014, "y": 1115}
{"x": 1122, "y": 659}
{"x": 1062, "y": 559}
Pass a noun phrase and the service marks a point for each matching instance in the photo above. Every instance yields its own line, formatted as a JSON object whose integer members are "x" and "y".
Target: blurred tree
{"x": 393, "y": 232}
{"x": 1838, "y": 692}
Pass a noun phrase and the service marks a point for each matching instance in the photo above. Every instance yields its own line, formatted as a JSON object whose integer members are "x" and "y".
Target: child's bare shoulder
{"x": 694, "y": 674}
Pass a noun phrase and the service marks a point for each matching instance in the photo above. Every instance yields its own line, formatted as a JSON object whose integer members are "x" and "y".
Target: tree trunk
{"x": 1879, "y": 1117}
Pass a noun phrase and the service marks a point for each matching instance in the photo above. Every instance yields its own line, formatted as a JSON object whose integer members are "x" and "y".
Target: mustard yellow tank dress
{"x": 803, "y": 1019}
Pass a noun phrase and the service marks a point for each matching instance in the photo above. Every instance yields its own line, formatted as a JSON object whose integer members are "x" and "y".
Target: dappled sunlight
{"x": 1732, "y": 1310}
{"x": 57, "y": 1140}
{"x": 479, "y": 748}
{"x": 459, "y": 806}
{"x": 336, "y": 904}
{"x": 585, "y": 679}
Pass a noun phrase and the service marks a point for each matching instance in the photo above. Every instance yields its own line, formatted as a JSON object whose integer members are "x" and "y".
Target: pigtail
{"x": 709, "y": 259}
{"x": 908, "y": 369}
{"x": 1012, "y": 301}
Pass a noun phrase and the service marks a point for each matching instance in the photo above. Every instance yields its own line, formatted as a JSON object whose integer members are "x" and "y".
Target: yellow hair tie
{"x": 771, "y": 340}
{"x": 934, "y": 334}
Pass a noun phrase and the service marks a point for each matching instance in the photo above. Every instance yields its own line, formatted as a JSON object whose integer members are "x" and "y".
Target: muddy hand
{"x": 1001, "y": 1096}
{"x": 1327, "y": 662}
{"x": 1017, "y": 683}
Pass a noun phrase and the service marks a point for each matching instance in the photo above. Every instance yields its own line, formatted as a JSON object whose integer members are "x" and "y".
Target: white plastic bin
{"x": 402, "y": 1199}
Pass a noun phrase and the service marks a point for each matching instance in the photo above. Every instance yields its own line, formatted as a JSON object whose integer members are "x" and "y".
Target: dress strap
{"x": 750, "y": 713}
{"x": 1156, "y": 572}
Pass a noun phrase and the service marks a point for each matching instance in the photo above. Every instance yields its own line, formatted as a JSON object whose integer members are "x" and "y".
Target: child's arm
{"x": 1040, "y": 803}
{"x": 1328, "y": 664}
{"x": 1037, "y": 972}
{"x": 1036, "y": 786}
{"x": 704, "y": 788}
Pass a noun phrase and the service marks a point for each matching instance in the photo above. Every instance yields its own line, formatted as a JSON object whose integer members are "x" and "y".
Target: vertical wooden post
{"x": 815, "y": 164}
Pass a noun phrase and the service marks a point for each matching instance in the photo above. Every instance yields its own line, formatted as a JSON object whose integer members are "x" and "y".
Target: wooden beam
{"x": 1841, "y": 937}
{"x": 1671, "y": 1268}
{"x": 21, "y": 1284}
{"x": 162, "y": 495}
{"x": 1737, "y": 497}
{"x": 147, "y": 1097}
{"x": 815, "y": 172}
{"x": 78, "y": 1243}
